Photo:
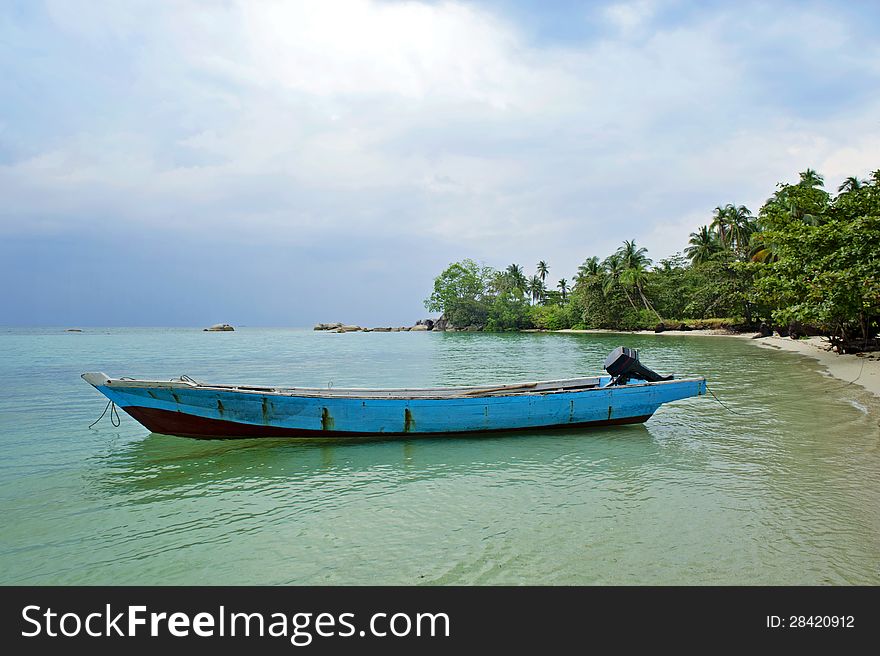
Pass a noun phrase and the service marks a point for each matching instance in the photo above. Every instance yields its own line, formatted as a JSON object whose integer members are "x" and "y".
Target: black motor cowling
{"x": 623, "y": 364}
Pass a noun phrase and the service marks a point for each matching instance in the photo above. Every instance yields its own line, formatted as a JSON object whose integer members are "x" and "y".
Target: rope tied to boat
{"x": 114, "y": 415}
{"x": 723, "y": 405}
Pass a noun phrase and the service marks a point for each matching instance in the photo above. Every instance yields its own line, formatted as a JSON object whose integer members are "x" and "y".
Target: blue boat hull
{"x": 211, "y": 412}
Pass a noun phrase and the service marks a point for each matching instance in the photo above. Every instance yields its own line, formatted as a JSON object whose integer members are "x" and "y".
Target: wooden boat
{"x": 631, "y": 393}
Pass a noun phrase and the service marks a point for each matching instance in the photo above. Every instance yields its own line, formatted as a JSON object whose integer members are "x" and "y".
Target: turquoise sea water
{"x": 784, "y": 489}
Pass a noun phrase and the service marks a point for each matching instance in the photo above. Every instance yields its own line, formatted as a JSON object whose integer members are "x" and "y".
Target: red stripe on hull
{"x": 167, "y": 422}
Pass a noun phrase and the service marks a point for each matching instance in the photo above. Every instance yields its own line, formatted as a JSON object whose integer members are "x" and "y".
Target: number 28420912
{"x": 811, "y": 621}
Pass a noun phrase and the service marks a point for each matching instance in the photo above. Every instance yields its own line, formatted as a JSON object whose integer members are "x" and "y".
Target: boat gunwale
{"x": 560, "y": 386}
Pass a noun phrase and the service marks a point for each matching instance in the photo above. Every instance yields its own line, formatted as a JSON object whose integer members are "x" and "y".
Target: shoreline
{"x": 862, "y": 370}
{"x": 696, "y": 332}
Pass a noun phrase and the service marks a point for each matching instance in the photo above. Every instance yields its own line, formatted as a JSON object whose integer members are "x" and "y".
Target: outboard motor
{"x": 623, "y": 364}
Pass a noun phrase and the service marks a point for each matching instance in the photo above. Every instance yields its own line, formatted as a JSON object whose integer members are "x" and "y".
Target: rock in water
{"x": 219, "y": 328}
{"x": 327, "y": 326}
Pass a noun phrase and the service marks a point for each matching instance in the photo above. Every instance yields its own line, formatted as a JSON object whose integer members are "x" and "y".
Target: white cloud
{"x": 440, "y": 122}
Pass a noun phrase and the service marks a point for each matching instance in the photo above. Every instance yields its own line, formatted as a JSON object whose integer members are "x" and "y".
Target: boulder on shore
{"x": 419, "y": 327}
{"x": 381, "y": 330}
{"x": 442, "y": 323}
{"x": 219, "y": 328}
{"x": 349, "y": 329}
{"x": 327, "y": 326}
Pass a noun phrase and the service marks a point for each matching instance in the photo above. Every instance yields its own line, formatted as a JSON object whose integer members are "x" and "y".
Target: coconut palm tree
{"x": 703, "y": 244}
{"x": 589, "y": 269}
{"x": 811, "y": 178}
{"x": 720, "y": 224}
{"x": 636, "y": 276}
{"x": 850, "y": 184}
{"x": 517, "y": 277}
{"x": 563, "y": 287}
{"x": 543, "y": 270}
{"x": 741, "y": 225}
{"x": 536, "y": 289}
{"x": 613, "y": 265}
{"x": 762, "y": 249}
{"x": 631, "y": 255}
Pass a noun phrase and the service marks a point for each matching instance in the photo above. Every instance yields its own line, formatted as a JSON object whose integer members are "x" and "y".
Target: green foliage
{"x": 460, "y": 293}
{"x": 554, "y": 317}
{"x": 508, "y": 312}
{"x": 807, "y": 257}
{"x": 473, "y": 295}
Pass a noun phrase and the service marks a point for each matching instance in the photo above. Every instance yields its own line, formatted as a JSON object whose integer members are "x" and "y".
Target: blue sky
{"x": 283, "y": 163}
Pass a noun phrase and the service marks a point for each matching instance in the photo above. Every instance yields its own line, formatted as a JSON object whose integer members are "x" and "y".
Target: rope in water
{"x": 723, "y": 405}
{"x": 114, "y": 415}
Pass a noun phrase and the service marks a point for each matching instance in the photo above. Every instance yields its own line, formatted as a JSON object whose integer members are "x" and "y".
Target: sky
{"x": 285, "y": 163}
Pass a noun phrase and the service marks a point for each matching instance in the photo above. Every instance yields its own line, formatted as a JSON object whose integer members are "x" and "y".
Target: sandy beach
{"x": 862, "y": 370}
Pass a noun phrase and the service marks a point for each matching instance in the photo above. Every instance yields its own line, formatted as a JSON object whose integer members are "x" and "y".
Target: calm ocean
{"x": 782, "y": 488}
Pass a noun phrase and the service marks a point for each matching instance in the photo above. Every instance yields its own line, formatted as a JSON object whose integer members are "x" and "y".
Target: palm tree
{"x": 632, "y": 256}
{"x": 850, "y": 184}
{"x": 720, "y": 224}
{"x": 517, "y": 277}
{"x": 762, "y": 249}
{"x": 811, "y": 179}
{"x": 703, "y": 245}
{"x": 634, "y": 262}
{"x": 543, "y": 270}
{"x": 589, "y": 269}
{"x": 741, "y": 225}
{"x": 613, "y": 265}
{"x": 636, "y": 276}
{"x": 563, "y": 287}
{"x": 536, "y": 288}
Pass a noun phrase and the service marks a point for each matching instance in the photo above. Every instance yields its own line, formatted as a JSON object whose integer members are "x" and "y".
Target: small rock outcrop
{"x": 327, "y": 326}
{"x": 418, "y": 327}
{"x": 219, "y": 328}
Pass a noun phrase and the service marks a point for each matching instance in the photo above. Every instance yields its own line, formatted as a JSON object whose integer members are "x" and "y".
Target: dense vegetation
{"x": 809, "y": 261}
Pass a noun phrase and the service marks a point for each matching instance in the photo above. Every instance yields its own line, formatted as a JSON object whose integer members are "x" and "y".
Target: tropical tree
{"x": 636, "y": 276}
{"x": 850, "y": 184}
{"x": 763, "y": 249}
{"x": 720, "y": 223}
{"x": 517, "y": 278}
{"x": 591, "y": 268}
{"x": 536, "y": 289}
{"x": 810, "y": 178}
{"x": 614, "y": 268}
{"x": 461, "y": 293}
{"x": 543, "y": 270}
{"x": 702, "y": 245}
{"x": 633, "y": 256}
{"x": 563, "y": 288}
